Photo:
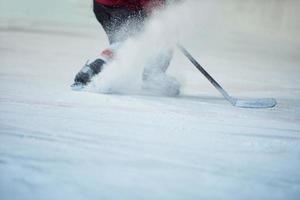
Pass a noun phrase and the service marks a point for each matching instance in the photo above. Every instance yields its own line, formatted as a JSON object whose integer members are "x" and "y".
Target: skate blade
{"x": 77, "y": 86}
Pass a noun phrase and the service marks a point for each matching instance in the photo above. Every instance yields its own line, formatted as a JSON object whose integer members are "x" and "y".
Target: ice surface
{"x": 56, "y": 143}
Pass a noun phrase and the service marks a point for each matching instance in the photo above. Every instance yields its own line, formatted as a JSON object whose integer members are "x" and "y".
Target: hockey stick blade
{"x": 242, "y": 103}
{"x": 254, "y": 103}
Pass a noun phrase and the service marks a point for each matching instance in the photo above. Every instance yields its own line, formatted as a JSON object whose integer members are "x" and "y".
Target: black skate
{"x": 84, "y": 76}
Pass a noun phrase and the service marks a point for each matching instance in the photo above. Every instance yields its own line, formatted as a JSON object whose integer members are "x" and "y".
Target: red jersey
{"x": 133, "y": 4}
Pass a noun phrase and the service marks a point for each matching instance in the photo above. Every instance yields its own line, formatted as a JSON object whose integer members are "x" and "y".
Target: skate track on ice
{"x": 60, "y": 144}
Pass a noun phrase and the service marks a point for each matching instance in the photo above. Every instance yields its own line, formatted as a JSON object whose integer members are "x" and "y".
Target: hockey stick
{"x": 243, "y": 103}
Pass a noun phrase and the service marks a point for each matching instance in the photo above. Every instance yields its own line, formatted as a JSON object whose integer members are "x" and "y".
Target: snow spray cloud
{"x": 161, "y": 32}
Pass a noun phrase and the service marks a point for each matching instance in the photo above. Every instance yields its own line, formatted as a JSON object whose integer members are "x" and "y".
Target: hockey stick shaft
{"x": 206, "y": 74}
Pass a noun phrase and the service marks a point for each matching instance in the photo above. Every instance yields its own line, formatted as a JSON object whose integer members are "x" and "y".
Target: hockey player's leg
{"x": 89, "y": 70}
{"x": 118, "y": 25}
{"x": 155, "y": 79}
{"x": 161, "y": 84}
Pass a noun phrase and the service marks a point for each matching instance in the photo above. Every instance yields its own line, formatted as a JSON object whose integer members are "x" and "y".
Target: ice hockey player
{"x": 120, "y": 20}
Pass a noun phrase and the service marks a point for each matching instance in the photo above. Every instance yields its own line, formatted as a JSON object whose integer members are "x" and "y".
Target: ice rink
{"x": 56, "y": 143}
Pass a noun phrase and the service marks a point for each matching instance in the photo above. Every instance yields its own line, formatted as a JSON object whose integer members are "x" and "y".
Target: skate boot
{"x": 84, "y": 76}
